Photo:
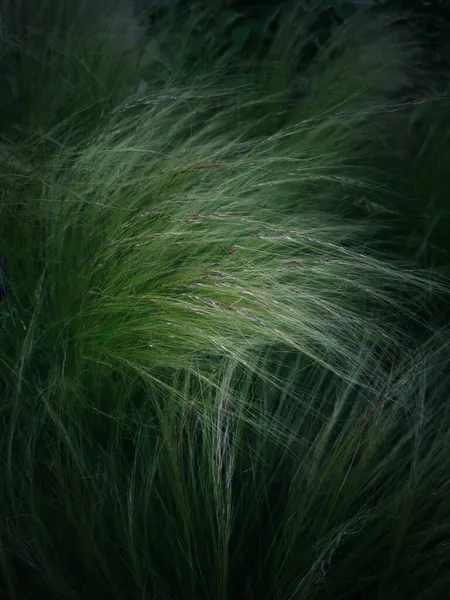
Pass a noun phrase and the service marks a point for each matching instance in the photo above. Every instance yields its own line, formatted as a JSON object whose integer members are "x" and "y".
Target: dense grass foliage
{"x": 220, "y": 376}
{"x": 240, "y": 492}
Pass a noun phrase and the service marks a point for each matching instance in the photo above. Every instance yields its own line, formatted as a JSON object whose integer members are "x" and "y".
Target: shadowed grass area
{"x": 419, "y": 170}
{"x": 62, "y": 58}
{"x": 239, "y": 492}
{"x": 212, "y": 379}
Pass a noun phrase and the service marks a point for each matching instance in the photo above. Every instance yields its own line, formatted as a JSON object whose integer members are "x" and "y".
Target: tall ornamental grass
{"x": 216, "y": 380}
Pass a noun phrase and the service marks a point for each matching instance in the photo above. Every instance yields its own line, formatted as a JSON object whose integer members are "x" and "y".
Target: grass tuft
{"x": 216, "y": 380}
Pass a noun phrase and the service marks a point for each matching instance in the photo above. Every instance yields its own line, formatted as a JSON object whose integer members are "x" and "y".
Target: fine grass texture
{"x": 244, "y": 492}
{"x": 214, "y": 377}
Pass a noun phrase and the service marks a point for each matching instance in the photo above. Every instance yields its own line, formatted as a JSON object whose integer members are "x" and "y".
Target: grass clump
{"x": 211, "y": 386}
{"x": 242, "y": 491}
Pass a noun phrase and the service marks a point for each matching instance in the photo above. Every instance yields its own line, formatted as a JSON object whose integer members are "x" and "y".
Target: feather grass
{"x": 209, "y": 387}
{"x": 242, "y": 492}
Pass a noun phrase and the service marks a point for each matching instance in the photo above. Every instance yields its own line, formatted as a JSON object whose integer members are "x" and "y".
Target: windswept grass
{"x": 175, "y": 230}
{"x": 323, "y": 490}
{"x": 165, "y": 238}
{"x": 211, "y": 385}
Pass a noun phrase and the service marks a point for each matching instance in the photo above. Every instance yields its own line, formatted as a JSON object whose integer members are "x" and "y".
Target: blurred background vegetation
{"x": 251, "y": 22}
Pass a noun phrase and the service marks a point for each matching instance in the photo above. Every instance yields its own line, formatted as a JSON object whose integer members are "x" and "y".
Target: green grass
{"x": 238, "y": 492}
{"x": 217, "y": 379}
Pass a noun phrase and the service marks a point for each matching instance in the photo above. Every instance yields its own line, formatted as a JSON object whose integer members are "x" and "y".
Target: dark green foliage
{"x": 223, "y": 370}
